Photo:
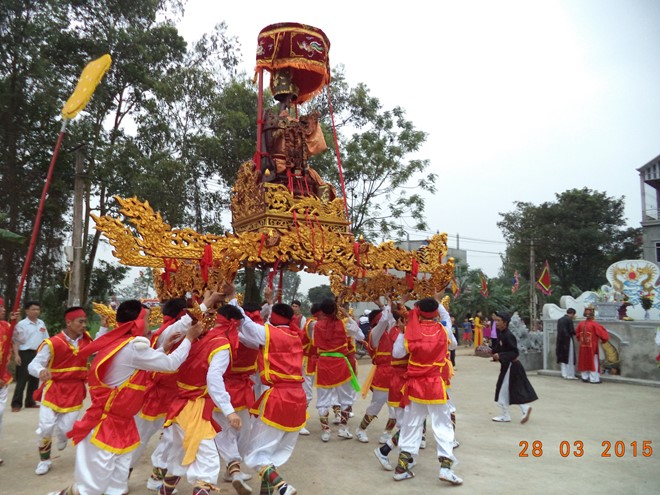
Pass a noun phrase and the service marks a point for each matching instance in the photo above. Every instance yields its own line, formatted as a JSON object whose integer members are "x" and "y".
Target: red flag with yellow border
{"x": 544, "y": 282}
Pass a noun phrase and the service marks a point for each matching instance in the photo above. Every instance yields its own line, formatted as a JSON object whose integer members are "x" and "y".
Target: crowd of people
{"x": 237, "y": 394}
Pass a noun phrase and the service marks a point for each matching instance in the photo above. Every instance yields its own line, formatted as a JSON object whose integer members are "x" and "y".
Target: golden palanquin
{"x": 275, "y": 230}
{"x": 273, "y": 227}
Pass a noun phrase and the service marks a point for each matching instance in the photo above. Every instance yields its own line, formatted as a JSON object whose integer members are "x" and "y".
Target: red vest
{"x": 113, "y": 409}
{"x": 5, "y": 351}
{"x": 238, "y": 381}
{"x": 381, "y": 357}
{"x": 192, "y": 374}
{"x": 65, "y": 391}
{"x": 330, "y": 336}
{"x": 428, "y": 350}
{"x": 283, "y": 405}
{"x": 399, "y": 368}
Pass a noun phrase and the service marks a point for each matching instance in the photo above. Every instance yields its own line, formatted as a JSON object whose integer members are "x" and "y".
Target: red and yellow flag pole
{"x": 89, "y": 79}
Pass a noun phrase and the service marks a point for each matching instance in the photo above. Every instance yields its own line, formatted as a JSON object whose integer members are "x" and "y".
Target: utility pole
{"x": 532, "y": 287}
{"x": 76, "y": 285}
{"x": 458, "y": 241}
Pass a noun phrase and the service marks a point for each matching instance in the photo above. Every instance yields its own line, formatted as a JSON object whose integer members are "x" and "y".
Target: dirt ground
{"x": 490, "y": 460}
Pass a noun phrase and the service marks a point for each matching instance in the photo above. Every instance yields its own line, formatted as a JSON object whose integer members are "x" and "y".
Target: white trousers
{"x": 327, "y": 397}
{"x": 4, "y": 393}
{"x": 592, "y": 376}
{"x": 100, "y": 472}
{"x": 52, "y": 422}
{"x": 503, "y": 397}
{"x": 230, "y": 442}
{"x": 147, "y": 428}
{"x": 159, "y": 455}
{"x": 378, "y": 400}
{"x": 308, "y": 386}
{"x": 568, "y": 369}
{"x": 206, "y": 465}
{"x": 268, "y": 445}
{"x": 412, "y": 426}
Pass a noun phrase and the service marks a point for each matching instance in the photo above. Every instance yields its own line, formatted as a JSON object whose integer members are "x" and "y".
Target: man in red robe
{"x": 281, "y": 411}
{"x": 424, "y": 393}
{"x": 63, "y": 373}
{"x": 334, "y": 371}
{"x": 588, "y": 333}
{"x": 201, "y": 389}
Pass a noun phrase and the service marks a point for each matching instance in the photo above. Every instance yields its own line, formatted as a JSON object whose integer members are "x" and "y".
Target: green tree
{"x": 34, "y": 42}
{"x": 580, "y": 234}
{"x": 319, "y": 293}
{"x": 105, "y": 279}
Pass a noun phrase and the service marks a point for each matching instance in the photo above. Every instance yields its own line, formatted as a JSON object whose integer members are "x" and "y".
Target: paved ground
{"x": 489, "y": 455}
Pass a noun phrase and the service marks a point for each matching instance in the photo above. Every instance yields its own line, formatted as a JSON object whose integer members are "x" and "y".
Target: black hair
{"x": 371, "y": 316}
{"x": 230, "y": 312}
{"x": 316, "y": 307}
{"x": 129, "y": 311}
{"x": 31, "y": 303}
{"x": 283, "y": 310}
{"x": 173, "y": 307}
{"x": 296, "y": 302}
{"x": 73, "y": 308}
{"x": 396, "y": 315}
{"x": 328, "y": 307}
{"x": 570, "y": 311}
{"x": 251, "y": 306}
{"x": 428, "y": 305}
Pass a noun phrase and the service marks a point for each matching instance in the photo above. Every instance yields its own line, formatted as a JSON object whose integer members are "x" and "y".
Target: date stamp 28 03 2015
{"x": 576, "y": 448}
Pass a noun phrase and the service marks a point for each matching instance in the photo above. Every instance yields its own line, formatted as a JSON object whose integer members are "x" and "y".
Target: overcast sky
{"x": 520, "y": 99}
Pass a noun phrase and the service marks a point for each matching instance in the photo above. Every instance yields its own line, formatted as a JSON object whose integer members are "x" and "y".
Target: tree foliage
{"x": 151, "y": 129}
{"x": 319, "y": 293}
{"x": 580, "y": 234}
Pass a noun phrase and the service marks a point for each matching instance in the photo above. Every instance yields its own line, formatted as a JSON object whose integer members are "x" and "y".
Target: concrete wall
{"x": 635, "y": 341}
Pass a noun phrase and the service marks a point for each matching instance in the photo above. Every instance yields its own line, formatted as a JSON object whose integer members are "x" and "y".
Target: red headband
{"x": 428, "y": 314}
{"x": 76, "y": 313}
{"x": 2, "y": 301}
{"x": 276, "y": 319}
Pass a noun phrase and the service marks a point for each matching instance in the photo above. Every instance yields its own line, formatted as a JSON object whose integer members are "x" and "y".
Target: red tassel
{"x": 206, "y": 262}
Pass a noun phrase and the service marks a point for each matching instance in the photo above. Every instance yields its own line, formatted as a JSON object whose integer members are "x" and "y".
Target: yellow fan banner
{"x": 89, "y": 79}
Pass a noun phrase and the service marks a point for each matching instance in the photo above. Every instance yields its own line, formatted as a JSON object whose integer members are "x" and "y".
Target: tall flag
{"x": 484, "y": 286}
{"x": 544, "y": 282}
{"x": 515, "y": 284}
{"x": 455, "y": 289}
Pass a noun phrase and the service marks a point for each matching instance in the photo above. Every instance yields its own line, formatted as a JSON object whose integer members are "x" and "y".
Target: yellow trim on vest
{"x": 243, "y": 369}
{"x": 193, "y": 388}
{"x": 423, "y": 401}
{"x": 151, "y": 418}
{"x": 63, "y": 370}
{"x": 266, "y": 371}
{"x": 331, "y": 386}
{"x": 112, "y": 354}
{"x": 221, "y": 348}
{"x": 58, "y": 409}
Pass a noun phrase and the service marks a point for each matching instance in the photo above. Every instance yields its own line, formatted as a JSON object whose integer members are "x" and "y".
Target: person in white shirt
{"x": 29, "y": 333}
